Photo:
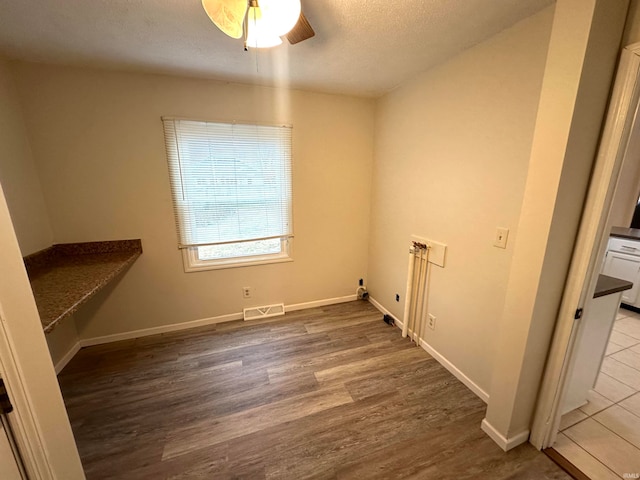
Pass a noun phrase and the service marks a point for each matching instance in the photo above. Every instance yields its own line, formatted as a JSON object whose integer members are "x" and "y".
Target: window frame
{"x": 191, "y": 261}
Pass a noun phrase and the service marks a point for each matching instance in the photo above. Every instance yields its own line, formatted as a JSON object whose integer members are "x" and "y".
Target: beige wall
{"x": 452, "y": 150}
{"x": 632, "y": 28}
{"x": 628, "y": 188}
{"x": 98, "y": 143}
{"x": 18, "y": 174}
{"x": 62, "y": 340}
{"x": 23, "y": 192}
{"x": 582, "y": 56}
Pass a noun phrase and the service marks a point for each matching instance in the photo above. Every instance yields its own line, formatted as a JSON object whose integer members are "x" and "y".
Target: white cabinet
{"x": 591, "y": 343}
{"x": 623, "y": 261}
{"x": 626, "y": 267}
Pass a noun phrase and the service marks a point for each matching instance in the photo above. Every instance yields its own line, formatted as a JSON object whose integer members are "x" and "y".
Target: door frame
{"x": 22, "y": 420}
{"x": 23, "y": 424}
{"x": 39, "y": 421}
{"x": 590, "y": 244}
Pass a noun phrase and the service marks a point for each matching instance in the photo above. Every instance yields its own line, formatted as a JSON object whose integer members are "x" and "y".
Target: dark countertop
{"x": 64, "y": 276}
{"x": 607, "y": 285}
{"x": 624, "y": 232}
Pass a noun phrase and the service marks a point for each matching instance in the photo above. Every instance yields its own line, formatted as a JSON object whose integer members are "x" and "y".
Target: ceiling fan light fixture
{"x": 281, "y": 15}
{"x": 262, "y": 21}
{"x": 228, "y": 15}
{"x": 260, "y": 33}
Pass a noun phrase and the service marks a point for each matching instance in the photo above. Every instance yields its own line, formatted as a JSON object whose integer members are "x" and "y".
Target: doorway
{"x": 600, "y": 420}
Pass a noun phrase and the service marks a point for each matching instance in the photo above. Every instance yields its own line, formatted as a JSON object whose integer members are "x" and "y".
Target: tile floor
{"x": 602, "y": 438}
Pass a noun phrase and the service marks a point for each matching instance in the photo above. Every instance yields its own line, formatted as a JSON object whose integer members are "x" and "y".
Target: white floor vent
{"x": 264, "y": 312}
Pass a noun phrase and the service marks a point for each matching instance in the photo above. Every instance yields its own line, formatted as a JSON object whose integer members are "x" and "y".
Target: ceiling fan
{"x": 261, "y": 22}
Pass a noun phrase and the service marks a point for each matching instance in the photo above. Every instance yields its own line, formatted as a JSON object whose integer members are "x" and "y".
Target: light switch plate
{"x": 437, "y": 250}
{"x": 502, "y": 234}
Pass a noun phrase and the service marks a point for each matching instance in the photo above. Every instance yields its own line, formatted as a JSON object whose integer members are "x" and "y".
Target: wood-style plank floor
{"x": 325, "y": 393}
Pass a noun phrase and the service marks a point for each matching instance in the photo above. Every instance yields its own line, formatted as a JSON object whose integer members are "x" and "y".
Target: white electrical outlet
{"x": 432, "y": 322}
{"x": 246, "y": 292}
{"x": 501, "y": 237}
{"x": 437, "y": 250}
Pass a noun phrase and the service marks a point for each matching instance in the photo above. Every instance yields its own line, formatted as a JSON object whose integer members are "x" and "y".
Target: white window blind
{"x": 230, "y": 182}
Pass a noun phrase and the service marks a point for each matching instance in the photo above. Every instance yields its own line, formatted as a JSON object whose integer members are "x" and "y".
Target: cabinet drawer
{"x": 624, "y": 245}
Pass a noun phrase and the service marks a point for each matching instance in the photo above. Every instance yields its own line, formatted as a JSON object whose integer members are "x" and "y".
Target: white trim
{"x": 88, "y": 342}
{"x": 192, "y": 263}
{"x": 223, "y": 120}
{"x": 145, "y": 332}
{"x": 379, "y": 306}
{"x": 67, "y": 357}
{"x": 320, "y": 303}
{"x": 231, "y": 242}
{"x": 26, "y": 427}
{"x": 505, "y": 444}
{"x": 441, "y": 359}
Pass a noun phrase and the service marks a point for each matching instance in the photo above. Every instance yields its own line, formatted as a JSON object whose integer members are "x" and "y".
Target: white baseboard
{"x": 174, "y": 327}
{"x": 441, "y": 359}
{"x": 505, "y": 443}
{"x": 320, "y": 303}
{"x": 470, "y": 384}
{"x": 379, "y": 306}
{"x": 67, "y": 357}
{"x": 87, "y": 342}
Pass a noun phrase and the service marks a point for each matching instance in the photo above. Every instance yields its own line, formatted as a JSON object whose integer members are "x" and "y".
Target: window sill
{"x": 193, "y": 265}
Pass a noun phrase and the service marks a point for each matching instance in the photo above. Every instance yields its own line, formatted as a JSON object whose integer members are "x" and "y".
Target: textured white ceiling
{"x": 361, "y": 47}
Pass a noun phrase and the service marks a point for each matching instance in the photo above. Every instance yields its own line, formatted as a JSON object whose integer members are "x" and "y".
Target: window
{"x": 231, "y": 187}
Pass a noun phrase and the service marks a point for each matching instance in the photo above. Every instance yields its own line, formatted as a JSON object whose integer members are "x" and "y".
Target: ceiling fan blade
{"x": 301, "y": 31}
{"x": 228, "y": 15}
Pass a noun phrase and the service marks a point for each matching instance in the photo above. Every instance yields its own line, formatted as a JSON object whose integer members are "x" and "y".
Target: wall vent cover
{"x": 264, "y": 312}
